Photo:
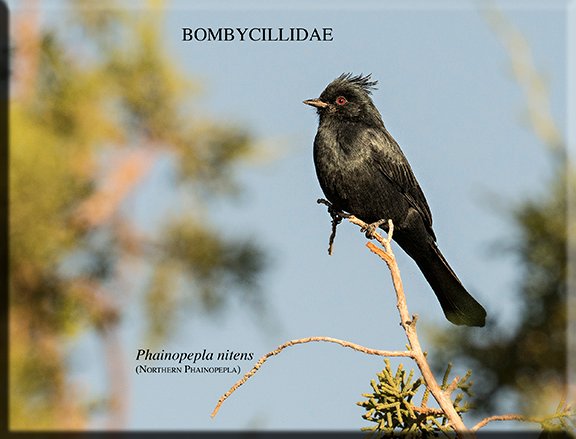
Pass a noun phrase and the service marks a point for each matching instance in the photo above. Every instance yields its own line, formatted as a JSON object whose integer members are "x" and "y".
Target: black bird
{"x": 363, "y": 171}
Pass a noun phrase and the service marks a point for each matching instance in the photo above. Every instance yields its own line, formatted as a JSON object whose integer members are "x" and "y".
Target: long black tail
{"x": 458, "y": 305}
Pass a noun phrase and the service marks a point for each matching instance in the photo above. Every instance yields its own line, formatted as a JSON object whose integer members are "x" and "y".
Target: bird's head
{"x": 348, "y": 98}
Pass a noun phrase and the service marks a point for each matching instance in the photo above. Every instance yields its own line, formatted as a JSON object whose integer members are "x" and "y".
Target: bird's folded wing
{"x": 391, "y": 162}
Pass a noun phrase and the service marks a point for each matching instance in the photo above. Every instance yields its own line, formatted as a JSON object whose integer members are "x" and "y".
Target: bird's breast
{"x": 341, "y": 169}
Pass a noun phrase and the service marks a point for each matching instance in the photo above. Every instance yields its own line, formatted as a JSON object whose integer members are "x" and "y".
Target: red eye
{"x": 341, "y": 100}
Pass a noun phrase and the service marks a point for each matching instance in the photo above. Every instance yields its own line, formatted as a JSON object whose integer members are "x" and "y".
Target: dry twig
{"x": 408, "y": 323}
{"x": 565, "y": 412}
{"x": 280, "y": 348}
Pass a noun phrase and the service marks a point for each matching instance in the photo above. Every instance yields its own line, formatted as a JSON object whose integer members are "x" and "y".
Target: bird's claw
{"x": 333, "y": 211}
{"x": 370, "y": 229}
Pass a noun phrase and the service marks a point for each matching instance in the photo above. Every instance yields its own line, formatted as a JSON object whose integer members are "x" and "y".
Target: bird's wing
{"x": 391, "y": 162}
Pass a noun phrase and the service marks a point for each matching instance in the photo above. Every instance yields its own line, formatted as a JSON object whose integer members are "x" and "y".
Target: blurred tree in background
{"x": 524, "y": 363}
{"x": 95, "y": 111}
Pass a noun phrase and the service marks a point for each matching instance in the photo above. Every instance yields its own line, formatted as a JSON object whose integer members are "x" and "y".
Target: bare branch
{"x": 280, "y": 348}
{"x": 516, "y": 417}
{"x": 509, "y": 417}
{"x": 428, "y": 411}
{"x": 453, "y": 386}
{"x": 409, "y": 324}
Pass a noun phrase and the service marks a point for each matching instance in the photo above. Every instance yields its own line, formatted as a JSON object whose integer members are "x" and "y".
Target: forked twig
{"x": 408, "y": 324}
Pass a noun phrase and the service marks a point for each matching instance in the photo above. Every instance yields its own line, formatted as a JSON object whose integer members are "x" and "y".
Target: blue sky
{"x": 446, "y": 93}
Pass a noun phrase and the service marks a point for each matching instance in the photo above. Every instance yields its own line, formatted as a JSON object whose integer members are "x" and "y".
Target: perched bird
{"x": 363, "y": 171}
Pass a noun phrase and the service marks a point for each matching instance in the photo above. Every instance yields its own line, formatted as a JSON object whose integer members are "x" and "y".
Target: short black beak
{"x": 316, "y": 103}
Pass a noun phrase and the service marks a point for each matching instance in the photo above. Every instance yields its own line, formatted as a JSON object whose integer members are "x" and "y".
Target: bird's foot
{"x": 337, "y": 217}
{"x": 333, "y": 211}
{"x": 370, "y": 229}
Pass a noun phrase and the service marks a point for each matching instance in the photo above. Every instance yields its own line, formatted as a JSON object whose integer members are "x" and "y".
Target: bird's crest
{"x": 365, "y": 82}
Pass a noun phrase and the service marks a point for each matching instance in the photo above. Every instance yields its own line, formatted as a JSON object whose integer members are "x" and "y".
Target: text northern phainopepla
{"x": 363, "y": 171}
